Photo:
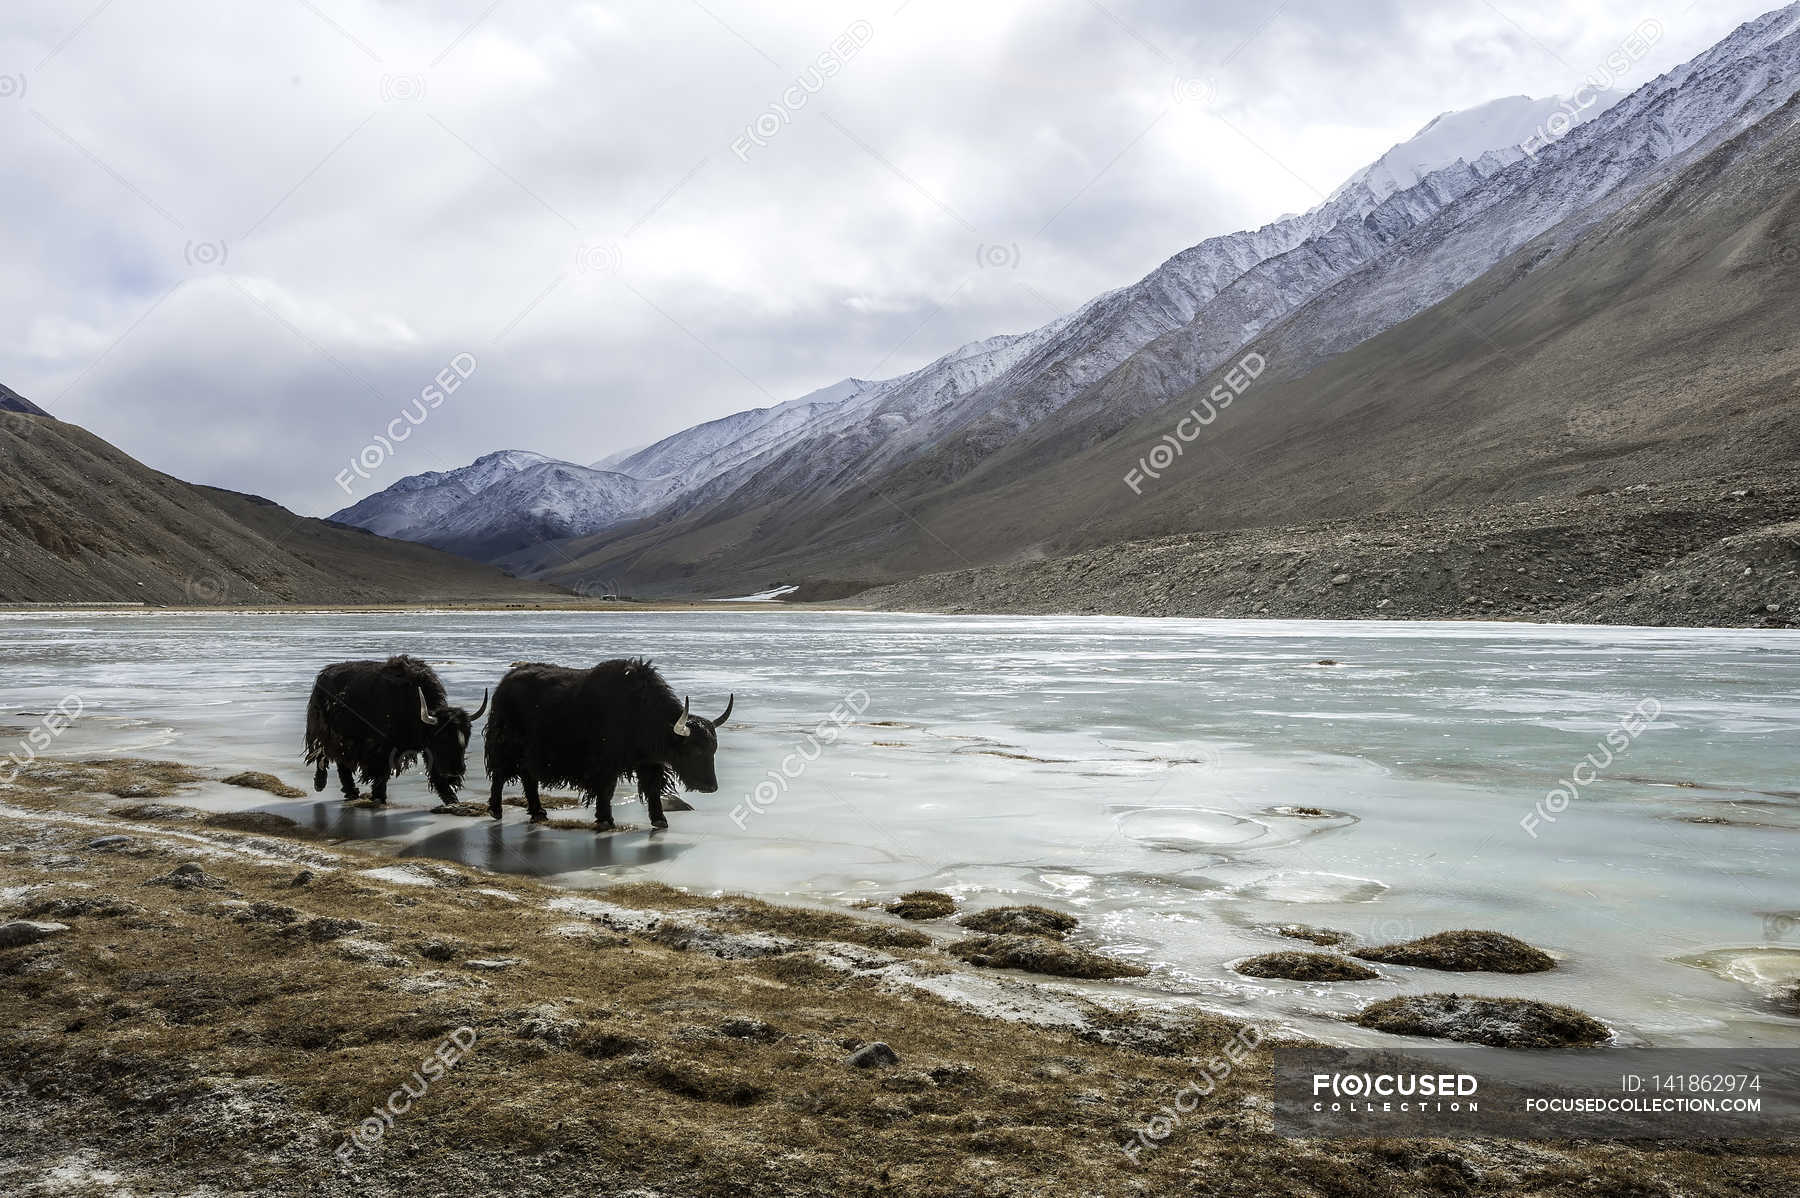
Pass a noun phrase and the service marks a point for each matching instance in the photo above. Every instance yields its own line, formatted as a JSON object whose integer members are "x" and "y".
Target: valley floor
{"x": 228, "y": 1001}
{"x": 1711, "y": 553}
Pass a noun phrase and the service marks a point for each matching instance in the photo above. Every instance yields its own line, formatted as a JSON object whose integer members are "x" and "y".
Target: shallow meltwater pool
{"x": 1626, "y": 799}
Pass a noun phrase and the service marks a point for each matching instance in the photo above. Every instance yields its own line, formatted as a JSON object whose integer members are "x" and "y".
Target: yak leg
{"x": 378, "y": 785}
{"x": 347, "y": 780}
{"x": 441, "y": 785}
{"x": 321, "y": 776}
{"x": 494, "y": 797}
{"x": 602, "y": 790}
{"x": 533, "y": 805}
{"x": 652, "y": 781}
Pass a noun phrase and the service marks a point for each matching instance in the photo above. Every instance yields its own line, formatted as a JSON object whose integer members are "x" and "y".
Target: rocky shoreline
{"x": 1709, "y": 553}
{"x": 226, "y": 1004}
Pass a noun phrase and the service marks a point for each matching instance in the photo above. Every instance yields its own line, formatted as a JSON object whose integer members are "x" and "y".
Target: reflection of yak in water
{"x": 586, "y": 729}
{"x": 375, "y": 718}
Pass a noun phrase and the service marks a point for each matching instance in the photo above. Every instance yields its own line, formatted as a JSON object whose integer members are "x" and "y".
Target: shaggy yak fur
{"x": 586, "y": 729}
{"x": 374, "y": 719}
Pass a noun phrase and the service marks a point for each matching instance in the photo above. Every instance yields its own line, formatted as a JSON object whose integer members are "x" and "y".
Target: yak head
{"x": 693, "y": 742}
{"x": 447, "y": 731}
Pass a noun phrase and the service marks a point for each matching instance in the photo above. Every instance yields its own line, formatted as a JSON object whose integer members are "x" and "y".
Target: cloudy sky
{"x": 245, "y": 236}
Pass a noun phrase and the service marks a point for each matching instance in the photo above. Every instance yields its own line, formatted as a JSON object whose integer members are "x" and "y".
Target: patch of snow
{"x": 768, "y": 596}
{"x": 398, "y": 875}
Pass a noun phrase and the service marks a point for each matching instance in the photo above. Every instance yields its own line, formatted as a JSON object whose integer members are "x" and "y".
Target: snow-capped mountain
{"x": 1422, "y": 221}
{"x": 413, "y": 508}
{"x": 887, "y": 421}
{"x": 548, "y": 501}
{"x": 1502, "y": 128}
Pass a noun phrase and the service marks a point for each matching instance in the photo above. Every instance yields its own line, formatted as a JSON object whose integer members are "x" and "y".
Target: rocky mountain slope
{"x": 82, "y": 522}
{"x": 1719, "y": 552}
{"x": 1597, "y": 307}
{"x": 857, "y": 429}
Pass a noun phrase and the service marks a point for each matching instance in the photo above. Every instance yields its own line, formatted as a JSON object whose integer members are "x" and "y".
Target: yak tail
{"x": 318, "y": 734}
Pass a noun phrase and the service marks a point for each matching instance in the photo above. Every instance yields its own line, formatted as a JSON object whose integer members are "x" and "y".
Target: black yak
{"x": 586, "y": 729}
{"x": 375, "y": 718}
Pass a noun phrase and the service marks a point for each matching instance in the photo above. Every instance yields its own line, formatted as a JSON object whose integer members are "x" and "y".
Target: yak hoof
{"x": 661, "y": 825}
{"x": 604, "y": 825}
{"x": 495, "y": 813}
{"x": 540, "y": 817}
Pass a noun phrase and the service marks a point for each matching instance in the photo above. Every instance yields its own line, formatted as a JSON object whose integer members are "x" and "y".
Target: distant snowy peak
{"x": 478, "y": 475}
{"x": 12, "y": 401}
{"x": 1500, "y": 127}
{"x": 414, "y": 506}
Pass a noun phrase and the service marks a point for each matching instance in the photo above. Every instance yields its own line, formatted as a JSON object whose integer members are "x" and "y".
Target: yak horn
{"x": 482, "y": 710}
{"x": 681, "y": 725}
{"x": 425, "y": 716}
{"x": 729, "y": 704}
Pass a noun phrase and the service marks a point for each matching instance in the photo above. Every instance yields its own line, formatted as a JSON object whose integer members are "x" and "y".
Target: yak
{"x": 375, "y": 718}
{"x": 586, "y": 729}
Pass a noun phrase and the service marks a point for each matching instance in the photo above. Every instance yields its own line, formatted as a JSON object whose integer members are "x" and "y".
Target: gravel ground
{"x": 1717, "y": 553}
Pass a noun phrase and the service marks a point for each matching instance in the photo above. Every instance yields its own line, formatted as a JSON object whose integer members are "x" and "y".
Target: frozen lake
{"x": 1183, "y": 786}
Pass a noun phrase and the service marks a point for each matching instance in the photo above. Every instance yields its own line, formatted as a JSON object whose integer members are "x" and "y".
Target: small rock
{"x": 303, "y": 878}
{"x": 873, "y": 1056}
{"x": 440, "y": 950}
{"x": 187, "y": 877}
{"x": 745, "y": 1028}
{"x": 267, "y": 912}
{"x": 20, "y": 932}
{"x": 496, "y": 964}
{"x": 325, "y": 928}
{"x": 1340, "y": 580}
{"x": 109, "y": 844}
{"x": 369, "y": 952}
{"x": 251, "y": 780}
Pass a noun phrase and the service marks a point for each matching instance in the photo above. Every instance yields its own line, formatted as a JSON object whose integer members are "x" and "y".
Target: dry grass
{"x": 1306, "y": 967}
{"x": 251, "y": 780}
{"x": 922, "y": 904}
{"x": 1464, "y": 952}
{"x": 227, "y": 1035}
{"x": 1040, "y": 954}
{"x": 1020, "y": 921}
